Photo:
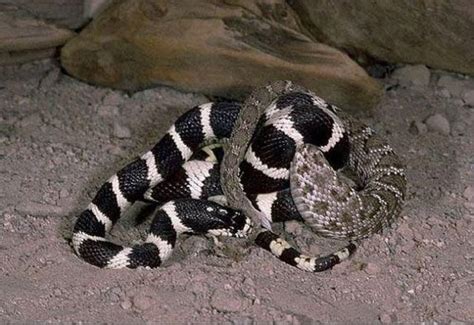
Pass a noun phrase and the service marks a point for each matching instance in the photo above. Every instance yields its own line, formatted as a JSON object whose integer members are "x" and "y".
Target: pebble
{"x": 453, "y": 85}
{"x": 121, "y": 131}
{"x": 372, "y": 268}
{"x": 293, "y": 227}
{"x": 112, "y": 99}
{"x": 107, "y": 110}
{"x": 195, "y": 245}
{"x": 126, "y": 304}
{"x": 378, "y": 70}
{"x": 469, "y": 193}
{"x": 51, "y": 77}
{"x": 468, "y": 98}
{"x": 199, "y": 287}
{"x": 438, "y": 123}
{"x": 31, "y": 121}
{"x": 418, "y": 75}
{"x": 445, "y": 93}
{"x": 227, "y": 301}
{"x": 417, "y": 127}
{"x": 142, "y": 302}
{"x": 405, "y": 232}
{"x": 385, "y": 318}
{"x": 243, "y": 321}
{"x": 39, "y": 209}
{"x": 63, "y": 193}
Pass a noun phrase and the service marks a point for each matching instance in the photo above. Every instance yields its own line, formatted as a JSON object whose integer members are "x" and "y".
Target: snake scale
{"x": 226, "y": 169}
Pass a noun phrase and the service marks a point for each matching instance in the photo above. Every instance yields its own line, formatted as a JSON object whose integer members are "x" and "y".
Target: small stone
{"x": 51, "y": 77}
{"x": 379, "y": 70}
{"x": 405, "y": 231}
{"x": 39, "y": 209}
{"x": 63, "y": 193}
{"x": 453, "y": 85}
{"x": 196, "y": 245}
{"x": 417, "y": 127}
{"x": 31, "y": 121}
{"x": 227, "y": 301}
{"x": 385, "y": 318}
{"x": 468, "y": 98}
{"x": 444, "y": 93}
{"x": 438, "y": 123}
{"x": 469, "y": 193}
{"x": 418, "y": 75}
{"x": 249, "y": 282}
{"x": 112, "y": 99}
{"x": 293, "y": 227}
{"x": 199, "y": 287}
{"x": 126, "y": 304}
{"x": 121, "y": 131}
{"x": 372, "y": 268}
{"x": 107, "y": 111}
{"x": 142, "y": 302}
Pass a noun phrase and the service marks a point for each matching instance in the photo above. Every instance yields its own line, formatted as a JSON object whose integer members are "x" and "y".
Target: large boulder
{"x": 220, "y": 48}
{"x": 437, "y": 33}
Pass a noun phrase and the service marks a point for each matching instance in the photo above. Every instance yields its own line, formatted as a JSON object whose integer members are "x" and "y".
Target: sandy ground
{"x": 60, "y": 139}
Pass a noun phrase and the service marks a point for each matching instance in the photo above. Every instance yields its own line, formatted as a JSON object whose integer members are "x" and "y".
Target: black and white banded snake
{"x": 283, "y": 152}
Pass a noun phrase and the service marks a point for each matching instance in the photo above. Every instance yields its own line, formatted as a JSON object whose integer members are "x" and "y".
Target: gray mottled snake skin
{"x": 328, "y": 204}
{"x": 236, "y": 147}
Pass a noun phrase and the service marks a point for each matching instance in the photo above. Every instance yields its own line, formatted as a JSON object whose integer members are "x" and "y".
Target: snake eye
{"x": 223, "y": 212}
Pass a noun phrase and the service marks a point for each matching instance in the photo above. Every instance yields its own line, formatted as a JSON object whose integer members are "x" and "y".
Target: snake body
{"x": 283, "y": 152}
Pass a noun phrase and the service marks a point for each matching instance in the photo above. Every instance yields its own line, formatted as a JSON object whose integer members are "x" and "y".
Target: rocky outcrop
{"x": 219, "y": 48}
{"x": 436, "y": 33}
{"x": 25, "y": 38}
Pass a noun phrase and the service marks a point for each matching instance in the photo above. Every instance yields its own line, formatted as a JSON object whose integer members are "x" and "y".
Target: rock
{"x": 438, "y": 123}
{"x": 126, "y": 304}
{"x": 63, "y": 193}
{"x": 39, "y": 209}
{"x": 405, "y": 231}
{"x": 396, "y": 31}
{"x": 379, "y": 70}
{"x": 385, "y": 318}
{"x": 51, "y": 77}
{"x": 293, "y": 227}
{"x": 417, "y": 127}
{"x": 418, "y": 75}
{"x": 444, "y": 93}
{"x": 121, "y": 131}
{"x": 468, "y": 98}
{"x": 227, "y": 301}
{"x": 67, "y": 13}
{"x": 107, "y": 111}
{"x": 24, "y": 37}
{"x": 142, "y": 302}
{"x": 195, "y": 245}
{"x": 469, "y": 193}
{"x": 453, "y": 85}
{"x": 372, "y": 268}
{"x": 112, "y": 99}
{"x": 217, "y": 48}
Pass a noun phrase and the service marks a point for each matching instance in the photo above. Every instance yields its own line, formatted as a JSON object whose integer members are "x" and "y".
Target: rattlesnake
{"x": 282, "y": 160}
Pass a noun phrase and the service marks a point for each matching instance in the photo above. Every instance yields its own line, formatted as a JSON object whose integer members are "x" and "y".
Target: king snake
{"x": 227, "y": 169}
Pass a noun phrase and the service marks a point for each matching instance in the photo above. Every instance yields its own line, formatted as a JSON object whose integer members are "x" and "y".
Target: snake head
{"x": 230, "y": 223}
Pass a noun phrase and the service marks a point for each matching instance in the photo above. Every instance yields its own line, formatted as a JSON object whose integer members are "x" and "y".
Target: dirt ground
{"x": 61, "y": 138}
